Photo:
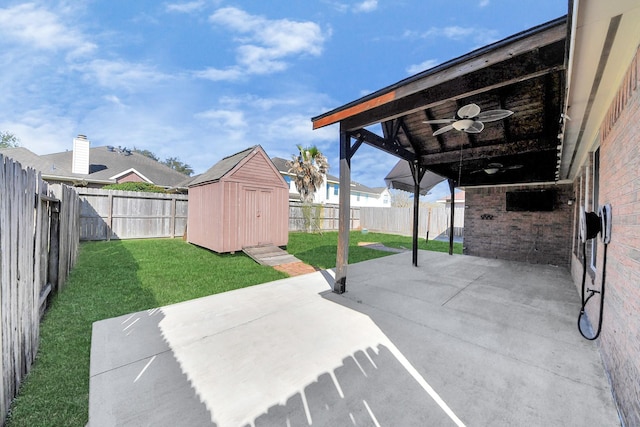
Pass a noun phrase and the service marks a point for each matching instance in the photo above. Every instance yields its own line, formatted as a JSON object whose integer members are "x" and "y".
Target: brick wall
{"x": 620, "y": 186}
{"x": 535, "y": 237}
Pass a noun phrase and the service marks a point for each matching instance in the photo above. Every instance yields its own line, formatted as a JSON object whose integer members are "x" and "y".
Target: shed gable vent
{"x": 80, "y": 160}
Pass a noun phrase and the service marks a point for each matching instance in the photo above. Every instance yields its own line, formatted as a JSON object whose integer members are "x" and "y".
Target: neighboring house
{"x": 459, "y": 199}
{"x": 361, "y": 195}
{"x": 99, "y": 166}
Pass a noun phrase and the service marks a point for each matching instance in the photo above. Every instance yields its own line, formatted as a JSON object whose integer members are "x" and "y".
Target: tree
{"x": 147, "y": 153}
{"x": 309, "y": 168}
{"x": 401, "y": 199}
{"x": 8, "y": 140}
{"x": 135, "y": 186}
{"x": 175, "y": 164}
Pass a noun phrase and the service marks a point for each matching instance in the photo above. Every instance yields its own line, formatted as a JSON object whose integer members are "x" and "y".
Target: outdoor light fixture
{"x": 491, "y": 171}
{"x": 463, "y": 124}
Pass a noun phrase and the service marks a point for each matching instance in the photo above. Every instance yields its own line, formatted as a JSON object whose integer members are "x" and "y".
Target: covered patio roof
{"x": 524, "y": 73}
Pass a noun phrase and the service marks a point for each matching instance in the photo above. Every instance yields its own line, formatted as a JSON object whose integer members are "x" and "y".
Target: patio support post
{"x": 452, "y": 187}
{"x": 417, "y": 173}
{"x": 344, "y": 213}
{"x": 416, "y": 217}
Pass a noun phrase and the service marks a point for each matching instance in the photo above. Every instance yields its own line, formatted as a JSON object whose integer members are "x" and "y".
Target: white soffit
{"x": 596, "y": 72}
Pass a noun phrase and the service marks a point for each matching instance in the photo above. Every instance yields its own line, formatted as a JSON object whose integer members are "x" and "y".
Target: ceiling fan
{"x": 469, "y": 119}
{"x": 494, "y": 168}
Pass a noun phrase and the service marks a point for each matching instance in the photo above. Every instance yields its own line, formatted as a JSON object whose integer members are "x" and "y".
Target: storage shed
{"x": 242, "y": 201}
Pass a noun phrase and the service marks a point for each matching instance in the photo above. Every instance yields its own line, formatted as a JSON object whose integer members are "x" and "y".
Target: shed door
{"x": 257, "y": 217}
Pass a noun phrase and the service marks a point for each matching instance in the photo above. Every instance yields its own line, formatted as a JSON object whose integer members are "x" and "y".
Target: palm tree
{"x": 309, "y": 168}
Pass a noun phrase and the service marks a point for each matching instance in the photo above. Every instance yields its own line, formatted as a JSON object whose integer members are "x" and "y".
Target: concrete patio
{"x": 457, "y": 341}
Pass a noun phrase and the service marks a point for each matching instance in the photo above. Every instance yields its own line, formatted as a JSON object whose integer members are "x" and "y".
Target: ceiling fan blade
{"x": 514, "y": 167}
{"x": 493, "y": 115}
{"x": 468, "y": 111}
{"x": 476, "y": 127}
{"x": 439, "y": 121}
{"x": 442, "y": 130}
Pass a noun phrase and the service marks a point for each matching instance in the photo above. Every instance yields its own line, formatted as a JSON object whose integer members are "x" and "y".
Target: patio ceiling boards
{"x": 524, "y": 73}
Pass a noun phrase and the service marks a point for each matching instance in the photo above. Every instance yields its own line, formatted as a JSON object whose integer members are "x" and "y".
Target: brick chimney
{"x": 80, "y": 163}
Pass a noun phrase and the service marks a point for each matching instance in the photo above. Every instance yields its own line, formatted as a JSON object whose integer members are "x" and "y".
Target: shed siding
{"x": 205, "y": 216}
{"x": 258, "y": 169}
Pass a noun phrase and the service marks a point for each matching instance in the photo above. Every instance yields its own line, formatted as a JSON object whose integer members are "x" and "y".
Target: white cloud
{"x": 263, "y": 104}
{"x": 366, "y": 6}
{"x": 480, "y": 36}
{"x": 41, "y": 29}
{"x": 224, "y": 118}
{"x": 483, "y": 3}
{"x": 265, "y": 46}
{"x": 216, "y": 74}
{"x": 188, "y": 7}
{"x": 425, "y": 65}
{"x": 114, "y": 100}
{"x": 363, "y": 6}
{"x": 42, "y": 131}
{"x": 120, "y": 74}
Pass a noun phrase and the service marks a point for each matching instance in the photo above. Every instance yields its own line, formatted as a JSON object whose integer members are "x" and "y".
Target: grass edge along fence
{"x": 39, "y": 241}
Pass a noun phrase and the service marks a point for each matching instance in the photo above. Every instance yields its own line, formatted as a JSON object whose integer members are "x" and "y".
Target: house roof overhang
{"x": 525, "y": 73}
{"x": 605, "y": 36}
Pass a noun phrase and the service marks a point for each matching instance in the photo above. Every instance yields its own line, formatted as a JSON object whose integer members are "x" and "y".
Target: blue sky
{"x": 204, "y": 79}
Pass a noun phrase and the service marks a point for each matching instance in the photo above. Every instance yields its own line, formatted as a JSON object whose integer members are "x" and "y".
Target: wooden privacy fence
{"x": 114, "y": 214}
{"x": 38, "y": 248}
{"x": 434, "y": 219}
{"x": 319, "y": 217}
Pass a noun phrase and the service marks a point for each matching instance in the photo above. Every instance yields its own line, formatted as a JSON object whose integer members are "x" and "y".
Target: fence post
{"x": 54, "y": 245}
{"x": 109, "y": 216}
{"x": 172, "y": 220}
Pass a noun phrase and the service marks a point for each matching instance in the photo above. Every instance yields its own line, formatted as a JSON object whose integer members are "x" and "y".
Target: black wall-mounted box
{"x": 531, "y": 200}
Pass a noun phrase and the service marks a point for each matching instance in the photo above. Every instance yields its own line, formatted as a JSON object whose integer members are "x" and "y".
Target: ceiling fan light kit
{"x": 463, "y": 124}
{"x": 491, "y": 171}
{"x": 470, "y": 119}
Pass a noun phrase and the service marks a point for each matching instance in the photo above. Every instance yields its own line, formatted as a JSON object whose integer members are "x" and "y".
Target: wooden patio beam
{"x": 488, "y": 151}
{"x": 388, "y": 145}
{"x": 515, "y": 70}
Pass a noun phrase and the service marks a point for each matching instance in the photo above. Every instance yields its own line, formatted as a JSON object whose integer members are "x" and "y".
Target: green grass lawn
{"x": 118, "y": 277}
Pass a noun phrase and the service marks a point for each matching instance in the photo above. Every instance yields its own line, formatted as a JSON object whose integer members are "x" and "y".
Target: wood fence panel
{"x": 327, "y": 217}
{"x": 69, "y": 230}
{"x": 25, "y": 247}
{"x": 113, "y": 214}
{"x": 400, "y": 220}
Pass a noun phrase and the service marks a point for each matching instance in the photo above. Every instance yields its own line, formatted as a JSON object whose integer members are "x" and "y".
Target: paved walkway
{"x": 295, "y": 268}
{"x": 458, "y": 340}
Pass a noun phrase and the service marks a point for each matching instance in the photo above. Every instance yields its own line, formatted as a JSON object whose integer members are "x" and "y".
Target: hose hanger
{"x": 592, "y": 224}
